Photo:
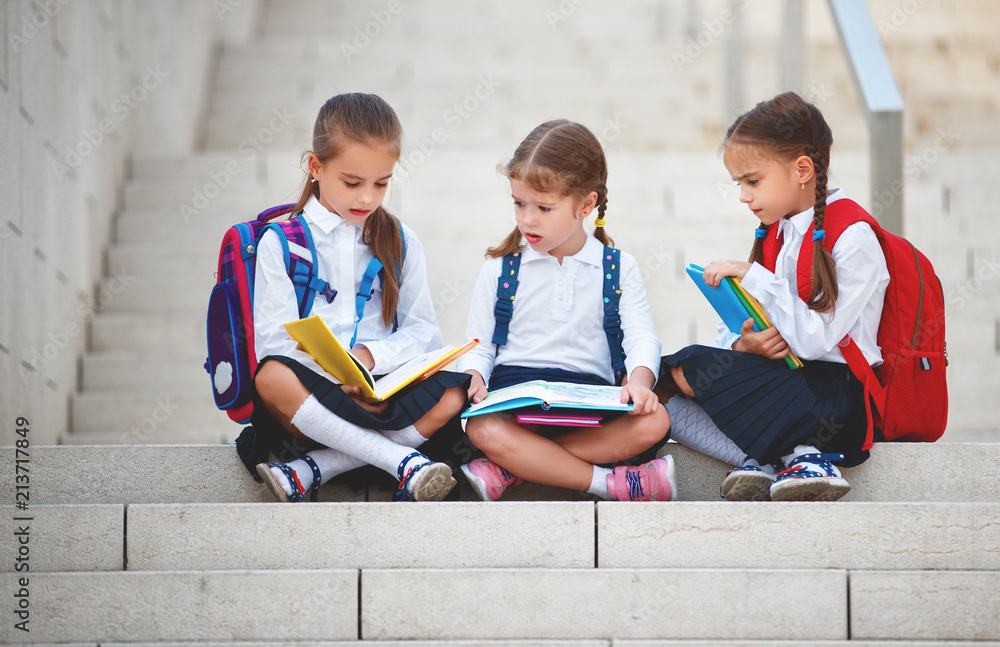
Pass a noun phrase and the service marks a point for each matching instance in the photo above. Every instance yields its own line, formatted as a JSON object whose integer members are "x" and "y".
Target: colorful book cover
{"x": 734, "y": 305}
{"x": 315, "y": 338}
{"x": 549, "y": 395}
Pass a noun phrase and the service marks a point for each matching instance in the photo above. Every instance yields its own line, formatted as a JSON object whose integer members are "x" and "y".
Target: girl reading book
{"x": 748, "y": 409}
{"x": 546, "y": 299}
{"x": 356, "y": 143}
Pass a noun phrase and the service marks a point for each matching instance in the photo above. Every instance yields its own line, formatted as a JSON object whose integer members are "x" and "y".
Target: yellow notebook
{"x": 315, "y": 338}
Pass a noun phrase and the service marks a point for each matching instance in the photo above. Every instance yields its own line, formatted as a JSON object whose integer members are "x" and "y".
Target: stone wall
{"x": 82, "y": 84}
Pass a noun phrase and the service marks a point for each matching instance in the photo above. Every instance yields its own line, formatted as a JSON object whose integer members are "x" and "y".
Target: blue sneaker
{"x": 810, "y": 477}
{"x": 747, "y": 483}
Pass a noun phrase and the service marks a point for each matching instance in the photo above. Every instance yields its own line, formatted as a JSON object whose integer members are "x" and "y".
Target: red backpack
{"x": 909, "y": 387}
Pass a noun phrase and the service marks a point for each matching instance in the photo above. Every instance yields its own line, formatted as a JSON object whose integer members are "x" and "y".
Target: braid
{"x": 602, "y": 207}
{"x": 823, "y": 296}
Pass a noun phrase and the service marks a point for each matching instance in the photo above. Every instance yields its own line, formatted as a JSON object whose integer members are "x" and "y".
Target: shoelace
{"x": 634, "y": 484}
{"x": 822, "y": 461}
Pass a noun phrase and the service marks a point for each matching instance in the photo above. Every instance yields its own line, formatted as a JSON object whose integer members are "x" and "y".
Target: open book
{"x": 548, "y": 395}
{"x": 734, "y": 305}
{"x": 315, "y": 338}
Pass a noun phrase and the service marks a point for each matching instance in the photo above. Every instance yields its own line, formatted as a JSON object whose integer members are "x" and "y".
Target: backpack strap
{"x": 299, "y": 253}
{"x": 839, "y": 215}
{"x": 612, "y": 319}
{"x": 506, "y": 288}
{"x": 365, "y": 289}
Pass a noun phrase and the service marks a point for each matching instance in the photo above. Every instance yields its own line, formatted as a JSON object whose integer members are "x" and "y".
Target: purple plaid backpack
{"x": 232, "y": 359}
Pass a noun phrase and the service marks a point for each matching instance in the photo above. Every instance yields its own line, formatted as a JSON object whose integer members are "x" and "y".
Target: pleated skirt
{"x": 266, "y": 437}
{"x": 767, "y": 408}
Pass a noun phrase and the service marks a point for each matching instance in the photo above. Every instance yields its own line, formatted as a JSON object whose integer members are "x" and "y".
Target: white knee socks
{"x": 332, "y": 462}
{"x": 692, "y": 427}
{"x": 320, "y": 424}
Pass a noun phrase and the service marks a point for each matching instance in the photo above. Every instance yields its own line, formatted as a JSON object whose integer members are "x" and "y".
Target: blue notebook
{"x": 723, "y": 298}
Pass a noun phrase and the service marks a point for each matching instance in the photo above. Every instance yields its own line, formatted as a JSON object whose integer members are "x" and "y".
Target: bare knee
{"x": 489, "y": 433}
{"x": 677, "y": 373}
{"x": 651, "y": 428}
{"x": 280, "y": 390}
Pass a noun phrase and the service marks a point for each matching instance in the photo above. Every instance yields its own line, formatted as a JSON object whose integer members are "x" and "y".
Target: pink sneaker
{"x": 652, "y": 481}
{"x": 489, "y": 479}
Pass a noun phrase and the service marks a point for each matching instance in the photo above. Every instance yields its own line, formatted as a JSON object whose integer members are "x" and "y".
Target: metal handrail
{"x": 882, "y": 106}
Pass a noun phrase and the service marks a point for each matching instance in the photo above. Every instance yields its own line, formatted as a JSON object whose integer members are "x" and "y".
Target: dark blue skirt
{"x": 767, "y": 408}
{"x": 266, "y": 436}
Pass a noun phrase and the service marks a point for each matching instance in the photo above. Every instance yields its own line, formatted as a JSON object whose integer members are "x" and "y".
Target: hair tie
{"x": 600, "y": 222}
{"x": 760, "y": 233}
{"x": 819, "y": 234}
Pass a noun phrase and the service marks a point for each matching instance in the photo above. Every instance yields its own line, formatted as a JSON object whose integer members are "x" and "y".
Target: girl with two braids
{"x": 744, "y": 407}
{"x": 356, "y": 143}
{"x": 558, "y": 178}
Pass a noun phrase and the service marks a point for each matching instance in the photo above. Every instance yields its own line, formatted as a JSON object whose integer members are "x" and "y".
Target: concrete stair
{"x": 141, "y": 545}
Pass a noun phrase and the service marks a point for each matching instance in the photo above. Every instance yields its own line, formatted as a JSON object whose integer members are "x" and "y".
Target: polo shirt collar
{"x": 590, "y": 253}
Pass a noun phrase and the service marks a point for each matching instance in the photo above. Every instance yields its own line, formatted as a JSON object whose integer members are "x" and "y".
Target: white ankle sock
{"x": 692, "y": 427}
{"x": 798, "y": 451}
{"x": 320, "y": 424}
{"x": 599, "y": 482}
{"x": 767, "y": 469}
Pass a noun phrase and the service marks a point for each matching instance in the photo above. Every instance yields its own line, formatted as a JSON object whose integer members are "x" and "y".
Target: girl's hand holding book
{"x": 768, "y": 343}
{"x": 638, "y": 390}
{"x": 477, "y": 390}
{"x": 718, "y": 270}
{"x": 355, "y": 394}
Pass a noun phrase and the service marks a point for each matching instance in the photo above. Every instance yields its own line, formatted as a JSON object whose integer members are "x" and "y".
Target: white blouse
{"x": 342, "y": 260}
{"x": 558, "y": 318}
{"x": 862, "y": 278}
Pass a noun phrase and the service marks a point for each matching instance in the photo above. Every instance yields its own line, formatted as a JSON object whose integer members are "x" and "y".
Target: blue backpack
{"x": 232, "y": 359}
{"x": 507, "y": 287}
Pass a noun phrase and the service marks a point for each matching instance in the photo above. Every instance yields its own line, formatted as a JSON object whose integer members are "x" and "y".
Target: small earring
{"x": 803, "y": 186}
{"x": 313, "y": 181}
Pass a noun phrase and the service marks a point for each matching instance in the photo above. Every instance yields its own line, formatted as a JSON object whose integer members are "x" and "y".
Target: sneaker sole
{"x": 671, "y": 477}
{"x": 435, "y": 483}
{"x": 272, "y": 483}
{"x": 811, "y": 489}
{"x": 478, "y": 484}
{"x": 747, "y": 486}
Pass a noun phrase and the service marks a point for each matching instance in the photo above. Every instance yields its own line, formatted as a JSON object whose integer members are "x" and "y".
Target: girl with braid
{"x": 556, "y": 331}
{"x": 746, "y": 408}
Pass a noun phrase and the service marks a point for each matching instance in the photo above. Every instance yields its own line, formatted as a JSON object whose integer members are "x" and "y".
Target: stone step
{"x": 886, "y": 536}
{"x": 136, "y": 371}
{"x": 148, "y": 332}
{"x": 150, "y": 417}
{"x": 161, "y": 296}
{"x": 580, "y": 604}
{"x": 185, "y": 606}
{"x": 895, "y": 473}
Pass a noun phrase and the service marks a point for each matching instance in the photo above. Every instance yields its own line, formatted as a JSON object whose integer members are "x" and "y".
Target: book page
{"x": 562, "y": 394}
